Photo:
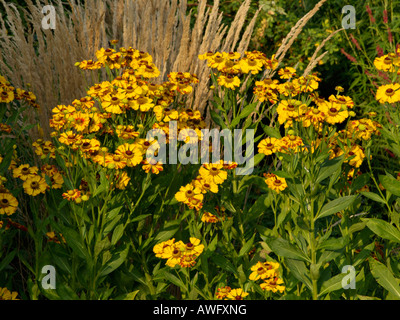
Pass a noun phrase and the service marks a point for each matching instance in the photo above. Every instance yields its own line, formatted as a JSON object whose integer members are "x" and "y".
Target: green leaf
{"x": 117, "y": 233}
{"x": 173, "y": 279}
{"x": 373, "y": 196}
{"x": 283, "y": 248}
{"x": 224, "y": 263}
{"x": 336, "y": 205}
{"x": 218, "y": 119}
{"x": 332, "y": 284}
{"x": 168, "y": 231}
{"x": 271, "y": 132}
{"x": 299, "y": 271}
{"x": 390, "y": 184}
{"x": 243, "y": 114}
{"x": 116, "y": 261}
{"x": 384, "y": 277}
{"x": 329, "y": 167}
{"x": 74, "y": 241}
{"x": 246, "y": 247}
{"x": 383, "y": 229}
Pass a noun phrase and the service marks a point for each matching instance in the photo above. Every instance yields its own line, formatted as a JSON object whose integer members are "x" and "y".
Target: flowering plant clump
{"x": 134, "y": 195}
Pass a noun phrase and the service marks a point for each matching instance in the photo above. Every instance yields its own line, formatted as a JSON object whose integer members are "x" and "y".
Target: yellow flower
{"x": 8, "y": 204}
{"x": 287, "y": 73}
{"x": 384, "y": 63}
{"x": 115, "y": 160}
{"x": 153, "y": 165}
{"x": 25, "y": 171}
{"x": 114, "y": 103}
{"x": 275, "y": 183}
{"x": 208, "y": 217}
{"x": 174, "y": 253}
{"x": 290, "y": 109}
{"x": 35, "y": 185}
{"x": 6, "y": 294}
{"x": 250, "y": 65}
{"x": 263, "y": 270}
{"x": 334, "y": 112}
{"x": 141, "y": 103}
{"x": 273, "y": 284}
{"x": 6, "y": 96}
{"x": 71, "y": 195}
{"x": 131, "y": 152}
{"x": 159, "y": 248}
{"x": 188, "y": 194}
{"x": 213, "y": 172}
{"x": 223, "y": 292}
{"x": 122, "y": 180}
{"x": 236, "y": 294}
{"x": 388, "y": 93}
{"x": 229, "y": 81}
{"x": 269, "y": 146}
{"x": 291, "y": 143}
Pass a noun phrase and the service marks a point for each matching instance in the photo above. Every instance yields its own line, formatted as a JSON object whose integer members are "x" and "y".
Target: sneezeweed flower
{"x": 205, "y": 185}
{"x": 208, "y": 217}
{"x": 275, "y": 183}
{"x": 236, "y": 294}
{"x": 291, "y": 143}
{"x": 35, "y": 185}
{"x": 126, "y": 132}
{"x": 194, "y": 247}
{"x": 287, "y": 72}
{"x": 263, "y": 270}
{"x": 213, "y": 172}
{"x": 6, "y": 294}
{"x": 229, "y": 81}
{"x": 269, "y": 146}
{"x": 250, "y": 65}
{"x": 131, "y": 152}
{"x": 290, "y": 109}
{"x": 223, "y": 292}
{"x": 114, "y": 103}
{"x": 354, "y": 155}
{"x": 389, "y": 93}
{"x": 69, "y": 138}
{"x": 122, "y": 179}
{"x": 115, "y": 161}
{"x": 188, "y": 260}
{"x": 25, "y": 171}
{"x": 274, "y": 284}
{"x": 52, "y": 237}
{"x": 314, "y": 117}
{"x": 8, "y": 204}
{"x": 152, "y": 165}
{"x": 159, "y": 248}
{"x": 334, "y": 112}
{"x": 72, "y": 195}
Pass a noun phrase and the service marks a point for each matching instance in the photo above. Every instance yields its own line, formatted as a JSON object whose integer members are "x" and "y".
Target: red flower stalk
{"x": 390, "y": 36}
{"x": 354, "y": 40}
{"x": 379, "y": 51}
{"x": 385, "y": 16}
{"x": 348, "y": 56}
{"x": 371, "y": 17}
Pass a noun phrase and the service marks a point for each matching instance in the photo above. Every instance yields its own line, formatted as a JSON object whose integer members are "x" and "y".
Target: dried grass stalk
{"x": 45, "y": 58}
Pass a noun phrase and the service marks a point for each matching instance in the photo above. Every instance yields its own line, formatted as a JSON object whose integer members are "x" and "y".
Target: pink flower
{"x": 385, "y": 16}
{"x": 348, "y": 56}
{"x": 371, "y": 17}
